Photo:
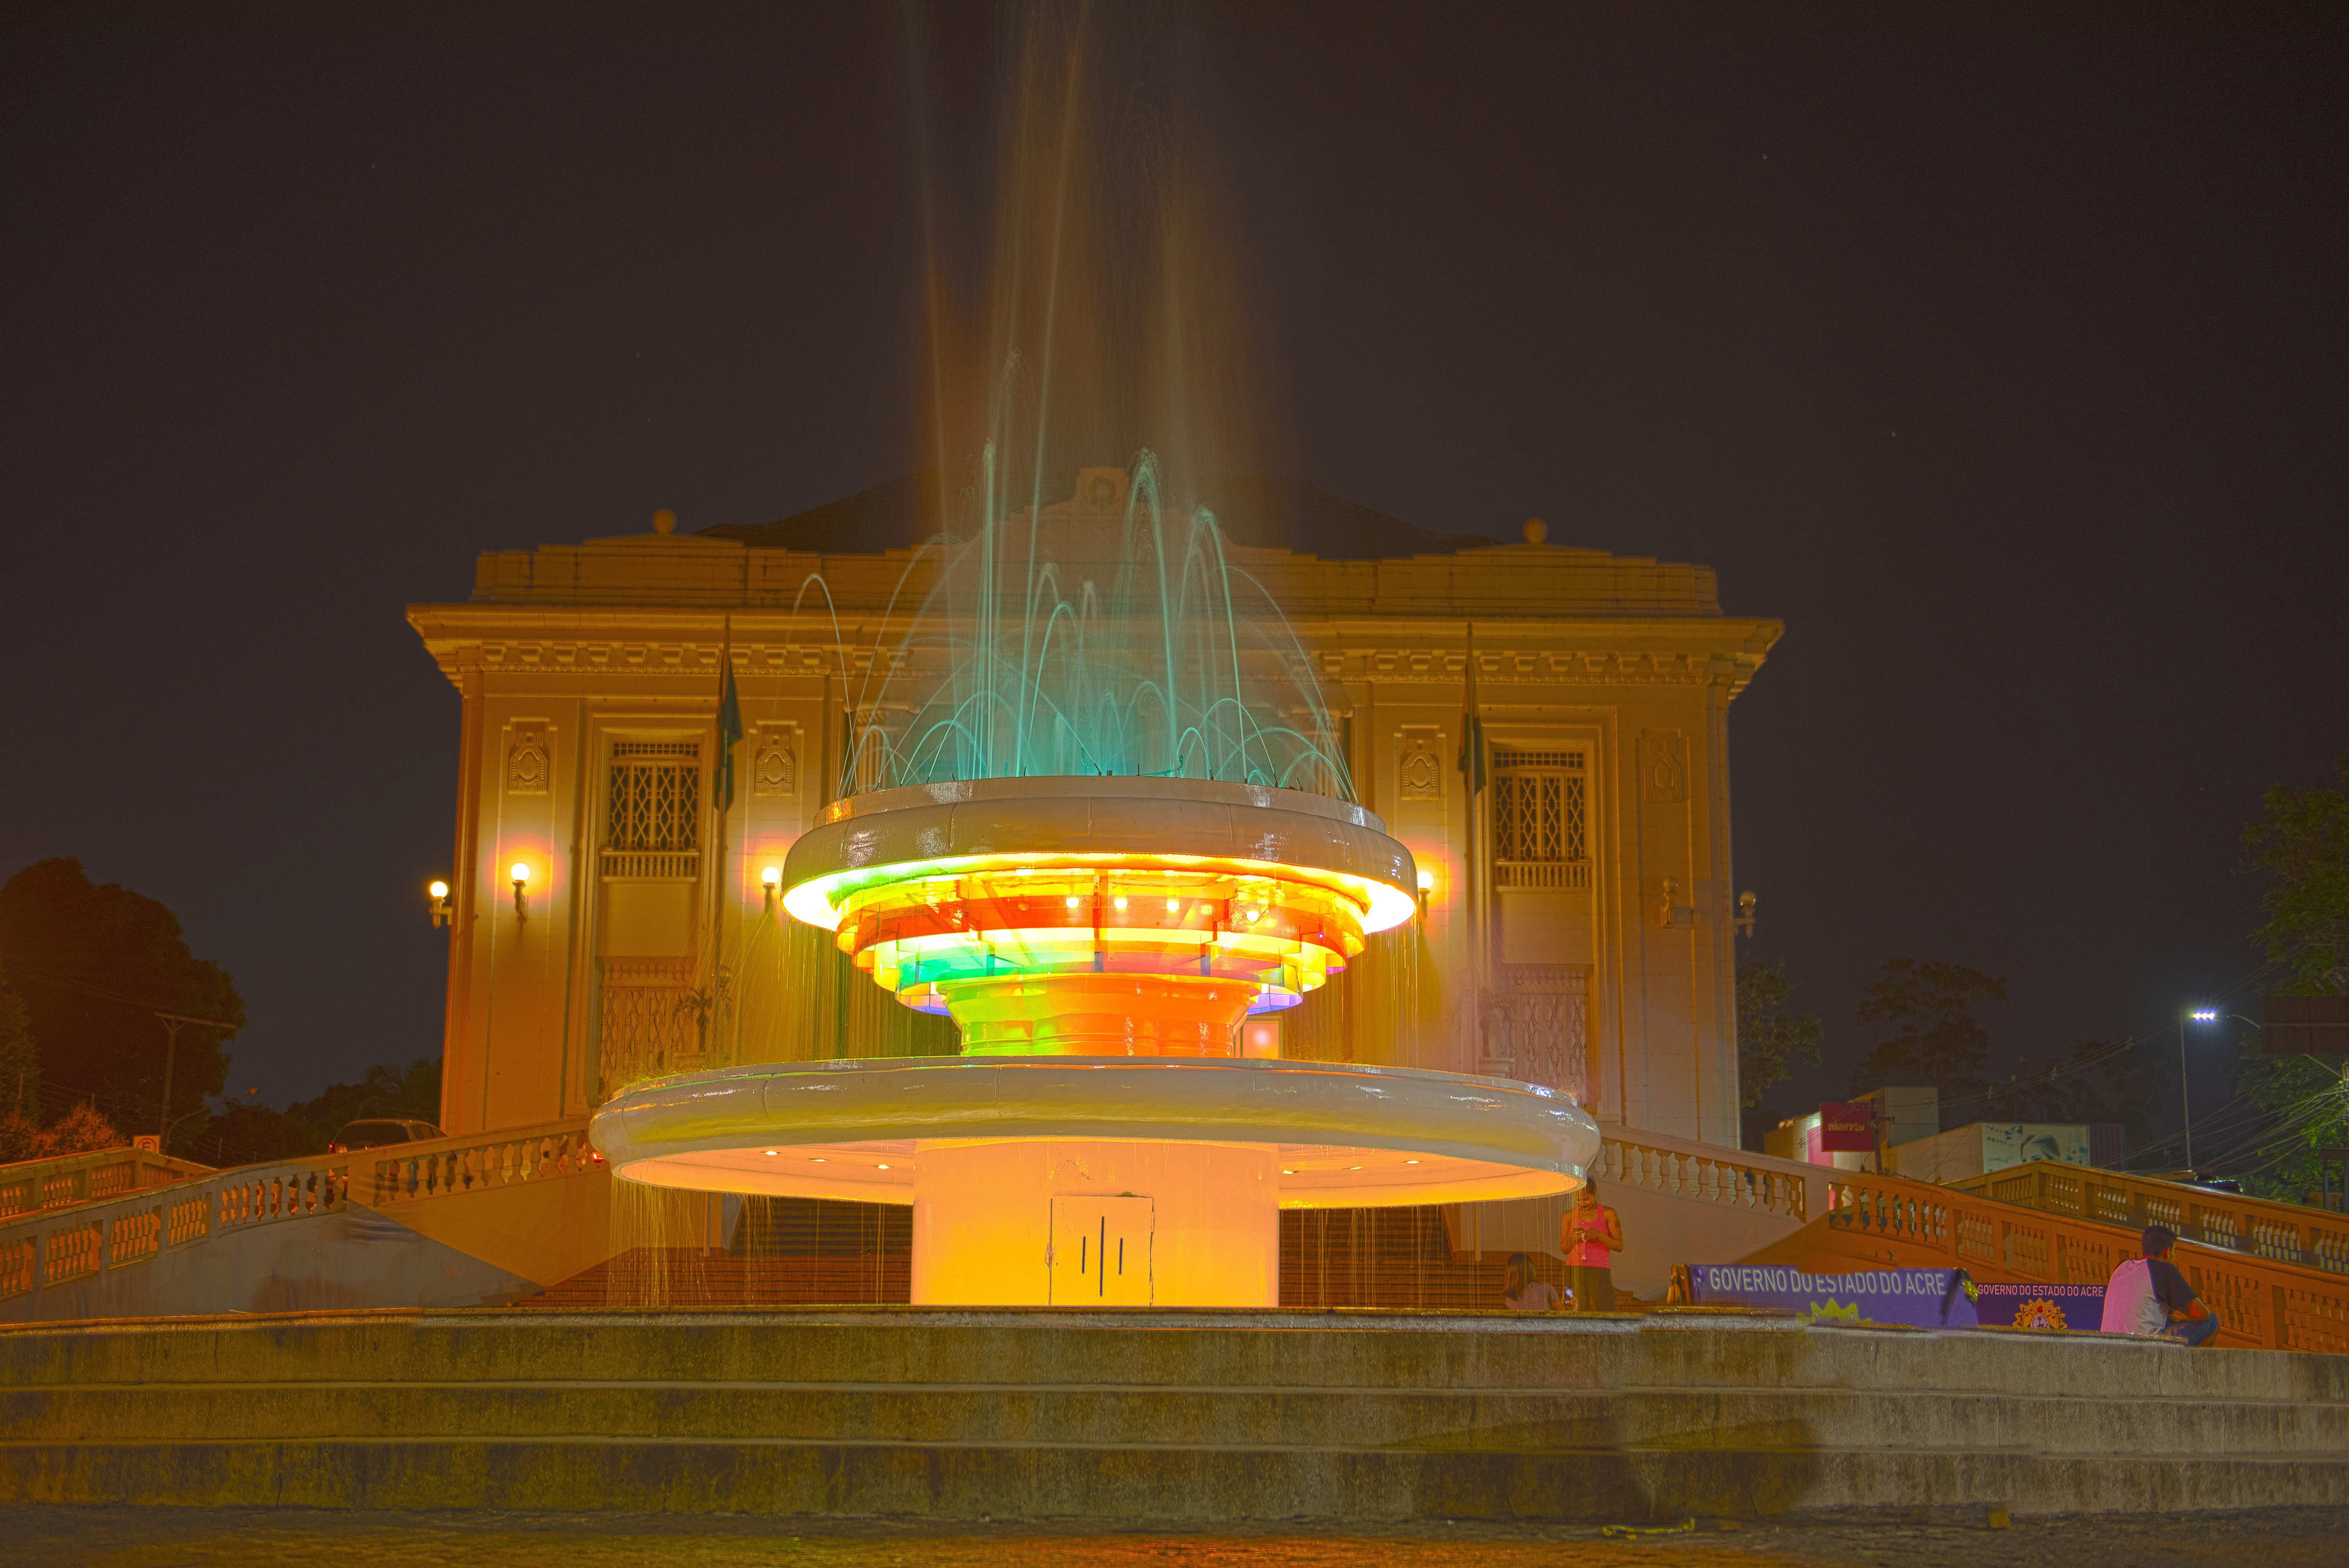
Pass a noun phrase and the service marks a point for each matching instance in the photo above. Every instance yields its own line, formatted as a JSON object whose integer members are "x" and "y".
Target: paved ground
{"x": 50, "y": 1537}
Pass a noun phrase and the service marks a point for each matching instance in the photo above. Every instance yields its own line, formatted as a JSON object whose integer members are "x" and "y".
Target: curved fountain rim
{"x": 1092, "y": 820}
{"x": 1099, "y": 786}
{"x": 1479, "y": 1137}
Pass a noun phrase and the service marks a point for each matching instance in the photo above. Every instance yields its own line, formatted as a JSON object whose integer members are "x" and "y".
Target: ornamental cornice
{"x": 636, "y": 643}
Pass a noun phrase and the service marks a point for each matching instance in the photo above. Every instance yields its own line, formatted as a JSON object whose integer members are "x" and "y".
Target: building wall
{"x": 1618, "y": 984}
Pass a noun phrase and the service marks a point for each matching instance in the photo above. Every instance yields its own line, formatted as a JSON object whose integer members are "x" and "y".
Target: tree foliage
{"x": 20, "y": 1060}
{"x": 2103, "y": 1080}
{"x": 1940, "y": 1041}
{"x": 2301, "y": 839}
{"x": 95, "y": 964}
{"x": 1769, "y": 1039}
{"x": 79, "y": 1131}
{"x": 414, "y": 1093}
{"x": 2306, "y": 1099}
{"x": 243, "y": 1134}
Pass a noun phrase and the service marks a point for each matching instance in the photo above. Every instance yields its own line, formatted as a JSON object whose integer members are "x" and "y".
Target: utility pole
{"x": 172, "y": 1023}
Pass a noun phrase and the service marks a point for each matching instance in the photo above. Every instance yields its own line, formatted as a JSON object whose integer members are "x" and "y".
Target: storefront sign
{"x": 2077, "y": 1307}
{"x": 1920, "y": 1298}
{"x": 1847, "y": 1129}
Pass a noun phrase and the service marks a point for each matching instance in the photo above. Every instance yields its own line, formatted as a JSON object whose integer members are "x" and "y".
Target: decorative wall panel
{"x": 530, "y": 763}
{"x": 1540, "y": 1020}
{"x": 1419, "y": 764}
{"x": 654, "y": 1021}
{"x": 775, "y": 762}
{"x": 1664, "y": 767}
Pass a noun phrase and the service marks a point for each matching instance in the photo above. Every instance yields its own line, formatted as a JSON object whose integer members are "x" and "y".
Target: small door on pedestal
{"x": 1101, "y": 1251}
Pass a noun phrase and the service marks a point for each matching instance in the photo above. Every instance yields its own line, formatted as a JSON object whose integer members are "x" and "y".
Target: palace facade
{"x": 1578, "y": 928}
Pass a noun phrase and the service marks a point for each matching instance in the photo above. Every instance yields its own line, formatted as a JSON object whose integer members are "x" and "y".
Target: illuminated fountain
{"x": 1098, "y": 939}
{"x": 1094, "y": 807}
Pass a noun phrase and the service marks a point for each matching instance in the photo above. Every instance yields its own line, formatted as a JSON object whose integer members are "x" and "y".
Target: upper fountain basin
{"x": 940, "y": 828}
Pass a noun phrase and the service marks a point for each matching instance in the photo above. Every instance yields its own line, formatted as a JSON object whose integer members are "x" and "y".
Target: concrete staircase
{"x": 1165, "y": 1415}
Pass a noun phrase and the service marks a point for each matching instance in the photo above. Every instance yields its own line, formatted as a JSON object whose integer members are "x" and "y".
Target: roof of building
{"x": 1255, "y": 511}
{"x": 1310, "y": 552}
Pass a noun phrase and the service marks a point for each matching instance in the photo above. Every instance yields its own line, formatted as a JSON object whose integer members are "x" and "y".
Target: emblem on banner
{"x": 2039, "y": 1313}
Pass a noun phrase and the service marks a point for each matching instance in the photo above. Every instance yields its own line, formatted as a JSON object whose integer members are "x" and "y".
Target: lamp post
{"x": 2199, "y": 1016}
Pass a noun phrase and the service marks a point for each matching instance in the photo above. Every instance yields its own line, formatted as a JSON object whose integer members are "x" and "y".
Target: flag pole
{"x": 1472, "y": 772}
{"x": 721, "y": 795}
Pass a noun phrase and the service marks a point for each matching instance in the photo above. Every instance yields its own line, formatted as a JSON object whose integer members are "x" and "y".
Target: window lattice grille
{"x": 1569, "y": 760}
{"x": 656, "y": 797}
{"x": 1539, "y": 817}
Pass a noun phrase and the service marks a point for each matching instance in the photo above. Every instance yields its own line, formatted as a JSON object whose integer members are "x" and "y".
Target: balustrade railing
{"x": 32, "y": 1186}
{"x": 2283, "y": 1232}
{"x": 1706, "y": 1173}
{"x": 2079, "y": 1229}
{"x": 412, "y": 1171}
{"x": 40, "y": 1248}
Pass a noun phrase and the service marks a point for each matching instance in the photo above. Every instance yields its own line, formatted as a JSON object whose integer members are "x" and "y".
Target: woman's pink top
{"x": 1589, "y": 1248}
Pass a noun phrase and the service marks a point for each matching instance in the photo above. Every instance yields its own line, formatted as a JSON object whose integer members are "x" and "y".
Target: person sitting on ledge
{"x": 1590, "y": 1234}
{"x": 2148, "y": 1296}
{"x": 1520, "y": 1291}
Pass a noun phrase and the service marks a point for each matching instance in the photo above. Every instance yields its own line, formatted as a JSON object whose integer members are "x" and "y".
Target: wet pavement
{"x": 55, "y": 1537}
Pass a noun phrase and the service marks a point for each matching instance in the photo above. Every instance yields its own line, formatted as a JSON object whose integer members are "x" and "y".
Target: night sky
{"x": 2002, "y": 358}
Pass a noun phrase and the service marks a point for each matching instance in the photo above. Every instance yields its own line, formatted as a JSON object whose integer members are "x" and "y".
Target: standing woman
{"x": 1590, "y": 1236}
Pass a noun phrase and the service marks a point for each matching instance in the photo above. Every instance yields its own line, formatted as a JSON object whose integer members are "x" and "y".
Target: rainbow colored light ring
{"x": 938, "y": 890}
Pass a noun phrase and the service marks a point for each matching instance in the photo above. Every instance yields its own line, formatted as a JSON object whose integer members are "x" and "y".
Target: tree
{"x": 79, "y": 1131}
{"x": 2103, "y": 1080}
{"x": 20, "y": 1061}
{"x": 95, "y": 965}
{"x": 1770, "y": 1041}
{"x": 1940, "y": 1042}
{"x": 384, "y": 1091}
{"x": 243, "y": 1133}
{"x": 2301, "y": 840}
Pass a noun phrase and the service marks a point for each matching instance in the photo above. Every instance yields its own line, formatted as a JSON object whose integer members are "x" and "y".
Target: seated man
{"x": 2148, "y": 1295}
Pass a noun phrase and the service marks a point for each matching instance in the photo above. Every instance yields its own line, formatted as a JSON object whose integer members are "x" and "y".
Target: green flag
{"x": 729, "y": 733}
{"x": 1472, "y": 728}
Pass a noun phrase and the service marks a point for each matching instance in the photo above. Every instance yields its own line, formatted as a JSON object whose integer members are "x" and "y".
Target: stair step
{"x": 1355, "y": 1418}
{"x": 1204, "y": 1484}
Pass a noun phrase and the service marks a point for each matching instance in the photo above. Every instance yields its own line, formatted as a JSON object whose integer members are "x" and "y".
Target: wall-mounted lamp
{"x": 441, "y": 912}
{"x": 521, "y": 874}
{"x": 1672, "y": 890}
{"x": 1745, "y": 921}
{"x": 1426, "y": 891}
{"x": 771, "y": 879}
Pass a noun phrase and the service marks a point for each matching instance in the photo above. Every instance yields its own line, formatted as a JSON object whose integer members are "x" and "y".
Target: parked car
{"x": 377, "y": 1132}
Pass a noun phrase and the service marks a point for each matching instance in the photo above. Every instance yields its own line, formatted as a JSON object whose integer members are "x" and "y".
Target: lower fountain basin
{"x": 1347, "y": 1135}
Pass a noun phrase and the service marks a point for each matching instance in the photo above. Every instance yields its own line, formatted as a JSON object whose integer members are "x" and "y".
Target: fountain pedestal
{"x": 1022, "y": 1224}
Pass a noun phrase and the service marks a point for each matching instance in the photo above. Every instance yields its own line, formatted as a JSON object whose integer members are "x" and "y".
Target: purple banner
{"x": 2077, "y": 1307}
{"x": 1919, "y": 1298}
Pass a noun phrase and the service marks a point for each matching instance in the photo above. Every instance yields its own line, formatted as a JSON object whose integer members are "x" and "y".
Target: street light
{"x": 2199, "y": 1016}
